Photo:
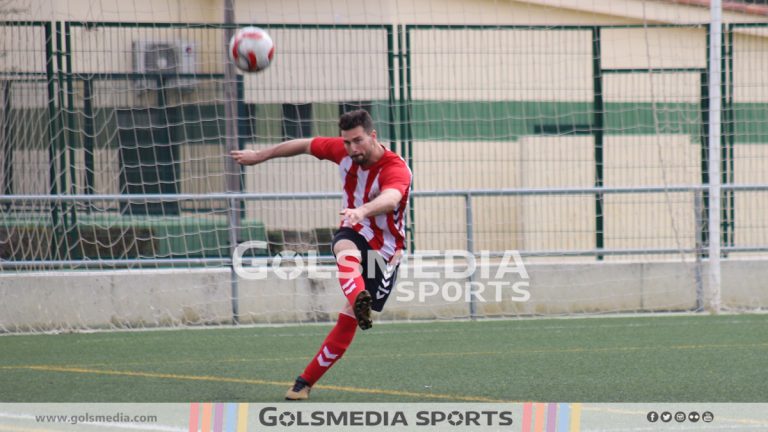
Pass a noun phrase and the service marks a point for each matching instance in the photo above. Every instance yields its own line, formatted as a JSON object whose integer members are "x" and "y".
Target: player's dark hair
{"x": 356, "y": 118}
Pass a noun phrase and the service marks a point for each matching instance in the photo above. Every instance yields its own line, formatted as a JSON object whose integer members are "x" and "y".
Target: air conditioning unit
{"x": 164, "y": 63}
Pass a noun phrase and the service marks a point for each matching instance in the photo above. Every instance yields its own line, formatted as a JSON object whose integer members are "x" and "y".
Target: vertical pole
{"x": 52, "y": 134}
{"x": 725, "y": 167}
{"x": 89, "y": 136}
{"x": 63, "y": 136}
{"x": 401, "y": 75}
{"x": 704, "y": 152}
{"x": 70, "y": 93}
{"x": 405, "y": 120}
{"x": 72, "y": 236}
{"x": 243, "y": 125}
{"x": 391, "y": 64}
{"x": 731, "y": 138}
{"x": 715, "y": 101}
{"x": 698, "y": 214}
{"x": 232, "y": 143}
{"x": 52, "y": 187}
{"x": 6, "y": 149}
{"x": 74, "y": 248}
{"x": 598, "y": 129}
{"x": 471, "y": 251}
{"x": 409, "y": 128}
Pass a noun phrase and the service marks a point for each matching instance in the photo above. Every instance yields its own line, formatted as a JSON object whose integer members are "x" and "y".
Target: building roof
{"x": 662, "y": 11}
{"x": 745, "y": 7}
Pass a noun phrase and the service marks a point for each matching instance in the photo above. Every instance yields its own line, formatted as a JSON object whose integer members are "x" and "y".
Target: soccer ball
{"x": 251, "y": 49}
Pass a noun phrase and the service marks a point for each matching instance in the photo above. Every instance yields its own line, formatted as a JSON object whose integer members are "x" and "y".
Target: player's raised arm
{"x": 284, "y": 149}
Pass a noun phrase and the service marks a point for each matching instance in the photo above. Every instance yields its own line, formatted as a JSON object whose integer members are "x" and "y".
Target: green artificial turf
{"x": 619, "y": 359}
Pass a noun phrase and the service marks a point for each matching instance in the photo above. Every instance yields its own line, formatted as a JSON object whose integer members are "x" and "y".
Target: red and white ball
{"x": 251, "y": 49}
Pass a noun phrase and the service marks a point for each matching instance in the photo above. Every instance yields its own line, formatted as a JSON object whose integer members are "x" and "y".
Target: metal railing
{"x": 234, "y": 200}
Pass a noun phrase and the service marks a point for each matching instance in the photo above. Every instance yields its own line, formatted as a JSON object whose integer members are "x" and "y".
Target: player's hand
{"x": 248, "y": 157}
{"x": 351, "y": 217}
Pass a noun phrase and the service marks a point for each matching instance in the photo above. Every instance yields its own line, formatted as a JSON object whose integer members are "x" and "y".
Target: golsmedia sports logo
{"x": 452, "y": 275}
{"x": 274, "y": 417}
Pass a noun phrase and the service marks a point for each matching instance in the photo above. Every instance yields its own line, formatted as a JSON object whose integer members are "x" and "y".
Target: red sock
{"x": 332, "y": 349}
{"x": 352, "y": 282}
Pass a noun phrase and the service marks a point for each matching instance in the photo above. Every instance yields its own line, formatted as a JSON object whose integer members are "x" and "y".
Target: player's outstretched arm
{"x": 384, "y": 203}
{"x": 284, "y": 149}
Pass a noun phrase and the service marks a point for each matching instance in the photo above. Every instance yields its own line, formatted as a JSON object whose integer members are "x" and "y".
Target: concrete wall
{"x": 134, "y": 298}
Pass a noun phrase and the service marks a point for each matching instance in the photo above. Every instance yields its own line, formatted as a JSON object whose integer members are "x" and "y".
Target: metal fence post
{"x": 232, "y": 143}
{"x": 470, "y": 251}
{"x": 699, "y": 215}
{"x": 715, "y": 107}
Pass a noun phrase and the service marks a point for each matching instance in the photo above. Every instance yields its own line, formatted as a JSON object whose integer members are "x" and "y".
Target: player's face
{"x": 360, "y": 146}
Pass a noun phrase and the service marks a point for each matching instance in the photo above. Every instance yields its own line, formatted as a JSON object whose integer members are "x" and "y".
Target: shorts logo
{"x": 386, "y": 281}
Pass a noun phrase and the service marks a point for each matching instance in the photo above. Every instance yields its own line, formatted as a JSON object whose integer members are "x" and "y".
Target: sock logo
{"x": 329, "y": 355}
{"x": 348, "y": 287}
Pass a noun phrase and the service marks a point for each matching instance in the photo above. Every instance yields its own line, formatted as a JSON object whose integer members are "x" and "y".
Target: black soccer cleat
{"x": 299, "y": 391}
{"x": 362, "y": 309}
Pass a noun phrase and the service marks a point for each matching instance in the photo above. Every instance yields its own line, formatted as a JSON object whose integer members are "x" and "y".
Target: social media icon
{"x": 666, "y": 416}
{"x": 680, "y": 416}
{"x": 707, "y": 416}
{"x": 652, "y": 417}
{"x": 693, "y": 416}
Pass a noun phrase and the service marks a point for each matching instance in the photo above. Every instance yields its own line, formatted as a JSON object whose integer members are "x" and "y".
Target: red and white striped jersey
{"x": 385, "y": 232}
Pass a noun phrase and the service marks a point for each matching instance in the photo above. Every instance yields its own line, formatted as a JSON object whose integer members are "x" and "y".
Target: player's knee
{"x": 344, "y": 248}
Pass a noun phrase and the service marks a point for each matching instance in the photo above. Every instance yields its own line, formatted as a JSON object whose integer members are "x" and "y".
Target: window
{"x": 297, "y": 121}
{"x": 354, "y": 105}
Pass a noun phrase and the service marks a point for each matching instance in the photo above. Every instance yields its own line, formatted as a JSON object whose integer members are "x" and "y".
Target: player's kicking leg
{"x": 351, "y": 251}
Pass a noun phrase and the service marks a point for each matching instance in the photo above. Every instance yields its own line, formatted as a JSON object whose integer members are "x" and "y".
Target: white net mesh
{"x": 572, "y": 132}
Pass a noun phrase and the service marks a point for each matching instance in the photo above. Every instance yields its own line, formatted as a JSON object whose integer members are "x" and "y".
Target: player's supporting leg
{"x": 333, "y": 347}
{"x": 348, "y": 260}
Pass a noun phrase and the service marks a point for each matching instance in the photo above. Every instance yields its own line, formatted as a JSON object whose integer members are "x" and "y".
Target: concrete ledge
{"x": 150, "y": 298}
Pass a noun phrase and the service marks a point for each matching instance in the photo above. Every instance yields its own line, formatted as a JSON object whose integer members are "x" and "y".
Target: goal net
{"x": 559, "y": 148}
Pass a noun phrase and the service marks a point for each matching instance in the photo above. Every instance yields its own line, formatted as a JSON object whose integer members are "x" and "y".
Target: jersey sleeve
{"x": 396, "y": 176}
{"x": 326, "y": 148}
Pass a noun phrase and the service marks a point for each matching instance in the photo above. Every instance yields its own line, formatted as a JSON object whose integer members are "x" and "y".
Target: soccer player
{"x": 370, "y": 239}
